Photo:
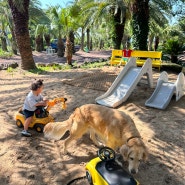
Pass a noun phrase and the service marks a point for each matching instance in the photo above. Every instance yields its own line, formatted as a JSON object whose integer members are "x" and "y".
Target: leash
{"x": 76, "y": 179}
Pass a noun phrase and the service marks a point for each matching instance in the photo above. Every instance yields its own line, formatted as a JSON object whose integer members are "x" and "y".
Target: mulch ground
{"x": 98, "y": 81}
{"x": 79, "y": 57}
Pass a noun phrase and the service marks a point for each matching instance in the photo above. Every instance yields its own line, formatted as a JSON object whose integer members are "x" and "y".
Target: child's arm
{"x": 42, "y": 103}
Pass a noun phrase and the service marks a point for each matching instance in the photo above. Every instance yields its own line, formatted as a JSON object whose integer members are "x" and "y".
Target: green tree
{"x": 91, "y": 15}
{"x": 79, "y": 20}
{"x": 3, "y": 25}
{"x": 39, "y": 37}
{"x": 7, "y": 26}
{"x": 157, "y": 23}
{"x": 93, "y": 12}
{"x": 39, "y": 23}
{"x": 57, "y": 17}
{"x": 172, "y": 47}
{"x": 36, "y": 16}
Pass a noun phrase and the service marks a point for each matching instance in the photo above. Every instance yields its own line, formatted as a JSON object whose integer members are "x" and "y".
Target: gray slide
{"x": 125, "y": 83}
{"x": 164, "y": 91}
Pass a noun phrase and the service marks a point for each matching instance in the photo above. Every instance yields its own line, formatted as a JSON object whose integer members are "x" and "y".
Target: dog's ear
{"x": 124, "y": 152}
{"x": 145, "y": 156}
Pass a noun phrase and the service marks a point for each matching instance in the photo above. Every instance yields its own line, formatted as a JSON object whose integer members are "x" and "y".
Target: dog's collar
{"x": 132, "y": 137}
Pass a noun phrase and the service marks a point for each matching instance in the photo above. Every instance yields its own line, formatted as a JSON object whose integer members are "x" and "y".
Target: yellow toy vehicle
{"x": 105, "y": 170}
{"x": 41, "y": 116}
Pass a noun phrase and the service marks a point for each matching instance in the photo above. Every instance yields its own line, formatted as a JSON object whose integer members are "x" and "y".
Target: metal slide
{"x": 125, "y": 83}
{"x": 164, "y": 91}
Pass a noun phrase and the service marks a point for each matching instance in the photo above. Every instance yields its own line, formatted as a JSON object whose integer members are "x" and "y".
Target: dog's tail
{"x": 56, "y": 130}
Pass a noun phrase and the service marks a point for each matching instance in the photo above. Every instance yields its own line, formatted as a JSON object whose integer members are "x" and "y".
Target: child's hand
{"x": 45, "y": 102}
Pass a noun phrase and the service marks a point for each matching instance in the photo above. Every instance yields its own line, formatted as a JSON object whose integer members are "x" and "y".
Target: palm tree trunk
{"x": 118, "y": 29}
{"x": 72, "y": 39}
{"x": 82, "y": 39}
{"x": 69, "y": 51}
{"x": 88, "y": 38}
{"x": 156, "y": 43}
{"x": 91, "y": 45}
{"x": 38, "y": 43}
{"x": 150, "y": 41}
{"x": 13, "y": 40}
{"x": 47, "y": 39}
{"x": 20, "y": 19}
{"x": 3, "y": 42}
{"x": 140, "y": 23}
{"x": 61, "y": 47}
{"x": 14, "y": 44}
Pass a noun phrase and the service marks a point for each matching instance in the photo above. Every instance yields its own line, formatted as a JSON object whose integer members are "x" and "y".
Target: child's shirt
{"x": 31, "y": 100}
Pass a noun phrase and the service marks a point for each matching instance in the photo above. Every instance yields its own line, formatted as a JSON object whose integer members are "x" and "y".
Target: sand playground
{"x": 37, "y": 161}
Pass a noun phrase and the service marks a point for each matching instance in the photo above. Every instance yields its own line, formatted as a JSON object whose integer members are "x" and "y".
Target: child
{"x": 33, "y": 99}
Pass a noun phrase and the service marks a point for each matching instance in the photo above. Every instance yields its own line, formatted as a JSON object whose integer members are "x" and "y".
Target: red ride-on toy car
{"x": 41, "y": 116}
{"x": 104, "y": 170}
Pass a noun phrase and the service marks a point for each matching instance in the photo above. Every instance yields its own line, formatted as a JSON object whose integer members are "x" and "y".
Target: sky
{"x": 63, "y": 3}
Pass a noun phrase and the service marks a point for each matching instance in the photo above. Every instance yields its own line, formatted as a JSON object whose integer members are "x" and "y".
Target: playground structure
{"x": 129, "y": 77}
{"x": 164, "y": 91}
{"x": 125, "y": 83}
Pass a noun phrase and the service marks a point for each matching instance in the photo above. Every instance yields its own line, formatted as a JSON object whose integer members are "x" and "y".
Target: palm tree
{"x": 158, "y": 22}
{"x": 69, "y": 51}
{"x": 140, "y": 23}
{"x": 119, "y": 17}
{"x": 113, "y": 11}
{"x": 78, "y": 21}
{"x": 142, "y": 10}
{"x": 6, "y": 26}
{"x": 56, "y": 15}
{"x": 47, "y": 39}
{"x": 36, "y": 15}
{"x": 19, "y": 10}
{"x": 39, "y": 22}
{"x": 3, "y": 35}
{"x": 39, "y": 37}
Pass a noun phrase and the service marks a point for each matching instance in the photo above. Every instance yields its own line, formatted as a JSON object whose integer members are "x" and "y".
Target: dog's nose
{"x": 133, "y": 171}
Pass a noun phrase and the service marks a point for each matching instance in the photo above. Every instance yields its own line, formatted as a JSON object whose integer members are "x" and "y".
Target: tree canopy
{"x": 93, "y": 23}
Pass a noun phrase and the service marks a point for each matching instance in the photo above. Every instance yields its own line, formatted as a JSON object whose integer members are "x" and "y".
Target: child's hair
{"x": 36, "y": 84}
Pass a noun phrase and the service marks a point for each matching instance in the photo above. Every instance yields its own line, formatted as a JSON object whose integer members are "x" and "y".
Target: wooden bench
{"x": 120, "y": 57}
{"x": 116, "y": 57}
{"x": 141, "y": 57}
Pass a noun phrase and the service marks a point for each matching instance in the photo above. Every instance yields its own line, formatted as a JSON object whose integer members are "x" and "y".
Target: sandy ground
{"x": 37, "y": 161}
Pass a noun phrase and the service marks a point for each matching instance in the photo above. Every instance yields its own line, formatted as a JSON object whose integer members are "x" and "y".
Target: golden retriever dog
{"x": 112, "y": 127}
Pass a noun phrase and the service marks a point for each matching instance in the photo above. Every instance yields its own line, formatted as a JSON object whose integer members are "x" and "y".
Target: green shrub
{"x": 172, "y": 47}
{"x": 5, "y": 55}
{"x": 171, "y": 67}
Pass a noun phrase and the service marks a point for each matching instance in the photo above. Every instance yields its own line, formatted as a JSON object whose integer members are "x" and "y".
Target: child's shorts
{"x": 28, "y": 113}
